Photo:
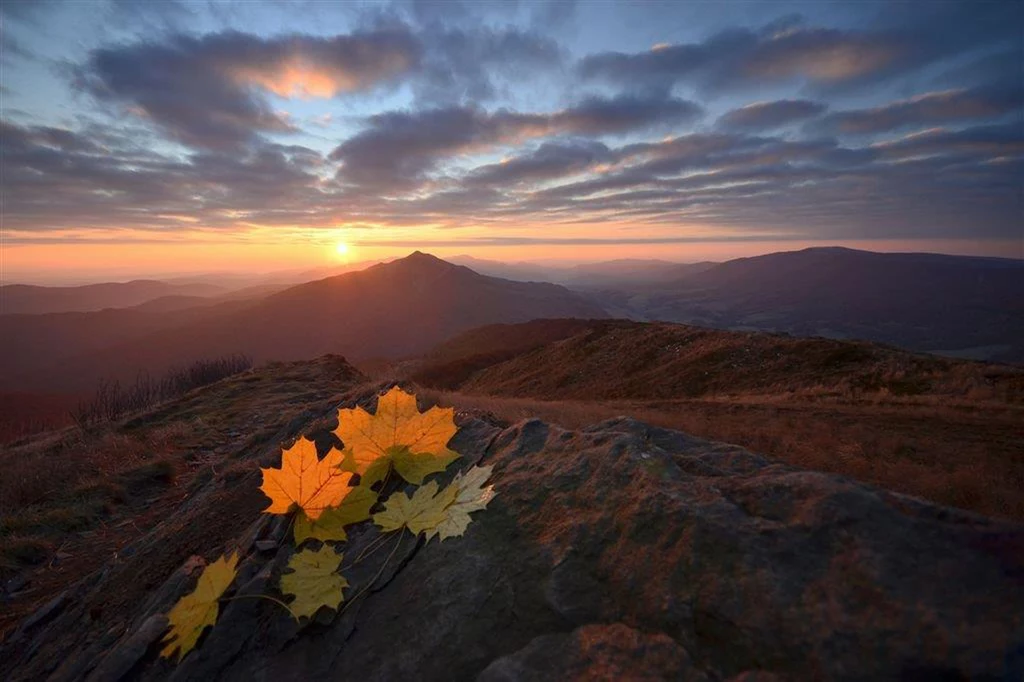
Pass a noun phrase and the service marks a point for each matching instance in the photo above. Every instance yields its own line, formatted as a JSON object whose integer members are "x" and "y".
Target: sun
{"x": 341, "y": 248}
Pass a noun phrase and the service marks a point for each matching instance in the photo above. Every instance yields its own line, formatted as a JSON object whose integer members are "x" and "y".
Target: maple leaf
{"x": 312, "y": 484}
{"x": 442, "y": 513}
{"x": 313, "y": 581}
{"x": 471, "y": 497}
{"x": 399, "y": 434}
{"x": 422, "y": 512}
{"x": 355, "y": 507}
{"x": 195, "y": 611}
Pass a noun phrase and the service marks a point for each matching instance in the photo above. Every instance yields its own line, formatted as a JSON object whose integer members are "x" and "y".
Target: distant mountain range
{"x": 960, "y": 306}
{"x": 619, "y": 272}
{"x": 393, "y": 309}
{"x": 954, "y": 305}
{"x": 31, "y": 299}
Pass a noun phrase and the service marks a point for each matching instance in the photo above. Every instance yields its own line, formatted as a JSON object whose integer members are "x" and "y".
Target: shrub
{"x": 112, "y": 400}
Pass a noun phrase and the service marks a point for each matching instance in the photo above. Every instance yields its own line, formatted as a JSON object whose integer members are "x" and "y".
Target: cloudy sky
{"x": 174, "y": 136}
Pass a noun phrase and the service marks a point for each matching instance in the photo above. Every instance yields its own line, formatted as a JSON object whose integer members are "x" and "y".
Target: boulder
{"x": 621, "y": 551}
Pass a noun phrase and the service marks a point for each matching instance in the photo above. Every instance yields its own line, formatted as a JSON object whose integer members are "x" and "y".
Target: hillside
{"x": 616, "y": 547}
{"x": 35, "y": 300}
{"x": 451, "y": 363}
{"x": 944, "y": 429}
{"x": 962, "y": 305}
{"x": 393, "y": 309}
{"x": 620, "y": 359}
{"x": 31, "y": 345}
{"x": 600, "y": 274}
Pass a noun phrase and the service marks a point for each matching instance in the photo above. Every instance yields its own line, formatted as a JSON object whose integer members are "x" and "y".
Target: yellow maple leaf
{"x": 445, "y": 513}
{"x": 471, "y": 496}
{"x": 423, "y": 512}
{"x": 312, "y": 484}
{"x": 313, "y": 581}
{"x": 195, "y": 611}
{"x": 399, "y": 434}
{"x": 355, "y": 507}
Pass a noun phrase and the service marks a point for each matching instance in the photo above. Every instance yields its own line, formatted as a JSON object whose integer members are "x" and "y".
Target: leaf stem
{"x": 262, "y": 596}
{"x": 374, "y": 579}
{"x": 370, "y": 548}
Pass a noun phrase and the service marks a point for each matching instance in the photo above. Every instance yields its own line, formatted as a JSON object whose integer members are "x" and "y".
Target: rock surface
{"x": 621, "y": 551}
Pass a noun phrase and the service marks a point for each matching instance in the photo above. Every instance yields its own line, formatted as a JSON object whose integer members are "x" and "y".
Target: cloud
{"x": 928, "y": 109}
{"x": 549, "y": 160}
{"x": 624, "y": 113}
{"x": 399, "y": 148}
{"x": 60, "y": 178}
{"x": 827, "y": 59}
{"x": 463, "y": 91}
{"x": 206, "y": 92}
{"x": 769, "y": 115}
{"x": 941, "y": 183}
{"x": 992, "y": 142}
{"x": 737, "y": 57}
{"x": 466, "y": 65}
{"x": 11, "y": 48}
{"x": 570, "y": 241}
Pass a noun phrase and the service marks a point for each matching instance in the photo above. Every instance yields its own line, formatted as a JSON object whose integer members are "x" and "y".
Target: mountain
{"x": 611, "y": 273}
{"x": 393, "y": 309}
{"x": 32, "y": 344}
{"x": 944, "y": 429}
{"x": 621, "y": 359}
{"x": 629, "y": 271}
{"x": 32, "y": 299}
{"x": 451, "y": 363}
{"x": 929, "y": 302}
{"x": 615, "y": 551}
{"x": 517, "y": 271}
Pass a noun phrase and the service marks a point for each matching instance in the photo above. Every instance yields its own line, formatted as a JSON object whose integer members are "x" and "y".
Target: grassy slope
{"x": 70, "y": 502}
{"x": 945, "y": 430}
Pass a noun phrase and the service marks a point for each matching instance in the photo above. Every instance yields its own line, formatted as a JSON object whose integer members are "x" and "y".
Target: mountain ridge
{"x": 392, "y": 309}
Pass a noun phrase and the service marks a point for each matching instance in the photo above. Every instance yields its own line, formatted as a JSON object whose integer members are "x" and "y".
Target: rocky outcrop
{"x": 622, "y": 552}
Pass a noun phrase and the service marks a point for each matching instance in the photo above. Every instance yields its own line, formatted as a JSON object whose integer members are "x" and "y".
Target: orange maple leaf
{"x": 414, "y": 441}
{"x": 312, "y": 484}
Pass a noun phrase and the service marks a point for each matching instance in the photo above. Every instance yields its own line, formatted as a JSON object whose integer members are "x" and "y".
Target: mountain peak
{"x": 419, "y": 261}
{"x": 422, "y": 256}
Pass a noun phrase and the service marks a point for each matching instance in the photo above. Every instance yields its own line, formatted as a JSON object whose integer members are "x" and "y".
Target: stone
{"x": 125, "y": 655}
{"x": 619, "y": 551}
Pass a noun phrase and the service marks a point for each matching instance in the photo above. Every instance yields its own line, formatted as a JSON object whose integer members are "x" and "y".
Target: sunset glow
{"x": 194, "y": 137}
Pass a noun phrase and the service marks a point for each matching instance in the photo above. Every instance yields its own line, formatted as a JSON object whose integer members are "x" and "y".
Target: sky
{"x": 142, "y": 137}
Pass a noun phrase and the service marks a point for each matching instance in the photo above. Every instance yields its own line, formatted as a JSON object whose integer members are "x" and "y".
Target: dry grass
{"x": 60, "y": 484}
{"x": 957, "y": 456}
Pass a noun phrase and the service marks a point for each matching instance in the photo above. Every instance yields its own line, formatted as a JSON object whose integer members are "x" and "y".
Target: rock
{"x": 596, "y": 652}
{"x": 16, "y": 584}
{"x": 118, "y": 663}
{"x": 45, "y": 612}
{"x": 266, "y": 545}
{"x": 621, "y": 551}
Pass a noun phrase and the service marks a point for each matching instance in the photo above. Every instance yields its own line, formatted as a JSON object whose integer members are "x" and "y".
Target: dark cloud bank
{"x": 634, "y": 142}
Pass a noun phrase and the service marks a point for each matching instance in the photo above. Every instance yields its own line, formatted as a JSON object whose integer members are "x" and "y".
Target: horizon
{"x": 353, "y": 264}
{"x": 155, "y": 140}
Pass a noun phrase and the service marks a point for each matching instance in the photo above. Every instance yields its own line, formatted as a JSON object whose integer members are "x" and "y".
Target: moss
{"x": 76, "y": 517}
{"x": 33, "y": 521}
{"x": 16, "y": 552}
{"x": 157, "y": 472}
{"x": 100, "y": 490}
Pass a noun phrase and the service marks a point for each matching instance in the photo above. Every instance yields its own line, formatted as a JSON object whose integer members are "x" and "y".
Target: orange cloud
{"x": 305, "y": 77}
